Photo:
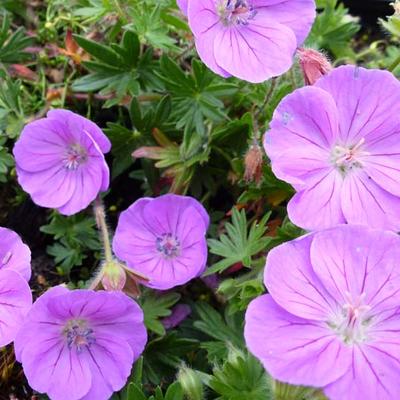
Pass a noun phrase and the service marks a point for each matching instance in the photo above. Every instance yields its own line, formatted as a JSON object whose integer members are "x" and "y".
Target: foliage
{"x": 156, "y": 306}
{"x": 239, "y": 244}
{"x": 74, "y": 236}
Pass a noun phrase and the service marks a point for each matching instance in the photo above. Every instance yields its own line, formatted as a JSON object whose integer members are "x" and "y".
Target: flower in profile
{"x": 332, "y": 317}
{"x": 253, "y": 40}
{"x": 338, "y": 144}
{"x": 15, "y": 294}
{"x": 163, "y": 239}
{"x": 178, "y": 314}
{"x": 60, "y": 161}
{"x": 313, "y": 64}
{"x": 80, "y": 345}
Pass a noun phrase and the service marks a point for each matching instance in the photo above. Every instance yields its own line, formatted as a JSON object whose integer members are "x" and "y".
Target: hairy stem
{"x": 100, "y": 216}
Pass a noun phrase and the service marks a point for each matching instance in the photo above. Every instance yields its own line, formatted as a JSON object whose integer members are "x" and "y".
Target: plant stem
{"x": 100, "y": 216}
{"x": 394, "y": 64}
{"x": 268, "y": 96}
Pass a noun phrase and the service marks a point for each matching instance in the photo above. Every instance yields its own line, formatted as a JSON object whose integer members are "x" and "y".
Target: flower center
{"x": 346, "y": 158}
{"x": 74, "y": 156}
{"x": 78, "y": 334}
{"x": 235, "y": 12}
{"x": 352, "y": 323}
{"x": 168, "y": 245}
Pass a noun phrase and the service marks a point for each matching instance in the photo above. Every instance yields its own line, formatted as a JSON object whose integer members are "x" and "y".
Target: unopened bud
{"x": 152, "y": 152}
{"x": 253, "y": 162}
{"x": 114, "y": 277}
{"x": 21, "y": 71}
{"x": 191, "y": 383}
{"x": 313, "y": 64}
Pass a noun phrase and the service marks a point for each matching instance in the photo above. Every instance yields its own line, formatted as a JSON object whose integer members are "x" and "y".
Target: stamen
{"x": 352, "y": 323}
{"x": 168, "y": 245}
{"x": 236, "y": 12}
{"x": 346, "y": 158}
{"x": 75, "y": 156}
{"x": 78, "y": 334}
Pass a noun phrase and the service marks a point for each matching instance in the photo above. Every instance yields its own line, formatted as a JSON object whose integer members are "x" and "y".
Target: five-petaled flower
{"x": 163, "y": 239}
{"x": 80, "y": 345}
{"x": 253, "y": 40}
{"x": 332, "y": 318}
{"x": 338, "y": 144}
{"x": 60, "y": 161}
{"x": 15, "y": 294}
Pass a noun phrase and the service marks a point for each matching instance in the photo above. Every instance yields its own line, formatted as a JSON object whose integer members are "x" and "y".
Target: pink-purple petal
{"x": 14, "y": 254}
{"x": 15, "y": 302}
{"x": 290, "y": 279}
{"x": 255, "y": 52}
{"x": 319, "y": 206}
{"x": 293, "y": 349}
{"x": 374, "y": 374}
{"x": 360, "y": 263}
{"x": 366, "y": 203}
{"x": 297, "y": 15}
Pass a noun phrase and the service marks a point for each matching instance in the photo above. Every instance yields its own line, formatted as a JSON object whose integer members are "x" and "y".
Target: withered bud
{"x": 313, "y": 64}
{"x": 253, "y": 162}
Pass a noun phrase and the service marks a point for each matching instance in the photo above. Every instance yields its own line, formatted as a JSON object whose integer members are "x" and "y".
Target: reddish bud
{"x": 152, "y": 152}
{"x": 253, "y": 162}
{"x": 313, "y": 64}
{"x": 21, "y": 71}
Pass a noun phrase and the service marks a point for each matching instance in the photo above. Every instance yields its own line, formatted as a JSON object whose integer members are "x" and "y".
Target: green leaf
{"x": 154, "y": 307}
{"x": 165, "y": 354}
{"x": 241, "y": 377}
{"x": 99, "y": 51}
{"x": 239, "y": 244}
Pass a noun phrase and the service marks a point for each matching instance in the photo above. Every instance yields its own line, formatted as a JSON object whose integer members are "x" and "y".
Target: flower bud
{"x": 114, "y": 277}
{"x": 253, "y": 162}
{"x": 313, "y": 64}
{"x": 191, "y": 383}
{"x": 152, "y": 152}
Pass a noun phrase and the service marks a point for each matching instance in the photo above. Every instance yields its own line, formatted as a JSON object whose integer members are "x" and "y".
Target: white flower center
{"x": 74, "y": 156}
{"x": 347, "y": 158}
{"x": 168, "y": 245}
{"x": 351, "y": 324}
{"x": 78, "y": 334}
{"x": 235, "y": 12}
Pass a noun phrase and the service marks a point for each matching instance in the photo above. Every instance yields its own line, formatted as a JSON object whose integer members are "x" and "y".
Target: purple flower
{"x": 80, "y": 345}
{"x": 332, "y": 318}
{"x": 60, "y": 161}
{"x": 15, "y": 294}
{"x": 163, "y": 239}
{"x": 253, "y": 40}
{"x": 338, "y": 144}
